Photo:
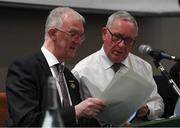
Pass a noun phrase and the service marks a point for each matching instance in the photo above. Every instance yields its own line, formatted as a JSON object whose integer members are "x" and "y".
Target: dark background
{"x": 22, "y": 33}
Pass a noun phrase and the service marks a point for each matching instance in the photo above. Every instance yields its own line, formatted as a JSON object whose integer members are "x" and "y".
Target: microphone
{"x": 156, "y": 53}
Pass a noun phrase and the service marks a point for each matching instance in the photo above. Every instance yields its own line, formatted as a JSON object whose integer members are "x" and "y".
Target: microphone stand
{"x": 166, "y": 75}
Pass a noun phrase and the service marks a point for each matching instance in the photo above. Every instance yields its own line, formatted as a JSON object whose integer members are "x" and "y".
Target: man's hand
{"x": 143, "y": 111}
{"x": 89, "y": 107}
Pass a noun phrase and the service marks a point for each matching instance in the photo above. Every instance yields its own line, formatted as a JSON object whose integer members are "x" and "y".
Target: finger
{"x": 97, "y": 101}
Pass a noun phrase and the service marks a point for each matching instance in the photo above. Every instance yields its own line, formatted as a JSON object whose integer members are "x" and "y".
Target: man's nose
{"x": 122, "y": 43}
{"x": 77, "y": 41}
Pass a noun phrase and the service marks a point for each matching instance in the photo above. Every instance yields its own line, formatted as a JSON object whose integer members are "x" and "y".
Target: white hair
{"x": 55, "y": 18}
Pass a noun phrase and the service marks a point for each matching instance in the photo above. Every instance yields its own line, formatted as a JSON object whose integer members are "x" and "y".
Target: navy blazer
{"x": 26, "y": 88}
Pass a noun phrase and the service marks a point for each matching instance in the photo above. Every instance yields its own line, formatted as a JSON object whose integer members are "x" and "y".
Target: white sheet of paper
{"x": 124, "y": 95}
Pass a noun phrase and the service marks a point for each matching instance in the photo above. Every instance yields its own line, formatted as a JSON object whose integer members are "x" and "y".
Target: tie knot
{"x": 60, "y": 67}
{"x": 116, "y": 66}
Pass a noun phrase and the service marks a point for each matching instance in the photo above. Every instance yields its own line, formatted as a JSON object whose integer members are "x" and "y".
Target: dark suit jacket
{"x": 26, "y": 88}
{"x": 175, "y": 73}
{"x": 168, "y": 94}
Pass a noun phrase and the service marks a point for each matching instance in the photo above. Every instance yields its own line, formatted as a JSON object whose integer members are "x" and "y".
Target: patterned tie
{"x": 116, "y": 66}
{"x": 60, "y": 69}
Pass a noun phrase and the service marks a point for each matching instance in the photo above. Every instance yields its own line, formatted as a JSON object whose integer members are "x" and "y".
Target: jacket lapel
{"x": 73, "y": 86}
{"x": 43, "y": 63}
{"x": 46, "y": 72}
{"x": 72, "y": 83}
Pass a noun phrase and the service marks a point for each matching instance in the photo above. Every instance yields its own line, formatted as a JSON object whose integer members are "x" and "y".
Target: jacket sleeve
{"x": 22, "y": 95}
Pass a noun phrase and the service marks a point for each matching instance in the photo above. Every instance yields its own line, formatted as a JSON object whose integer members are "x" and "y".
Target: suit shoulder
{"x": 25, "y": 62}
{"x": 28, "y": 59}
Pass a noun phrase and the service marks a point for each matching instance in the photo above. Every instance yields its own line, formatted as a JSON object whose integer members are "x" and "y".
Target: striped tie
{"x": 60, "y": 69}
{"x": 116, "y": 66}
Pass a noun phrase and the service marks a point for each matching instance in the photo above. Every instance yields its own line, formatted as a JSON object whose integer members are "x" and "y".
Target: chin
{"x": 70, "y": 56}
{"x": 118, "y": 59}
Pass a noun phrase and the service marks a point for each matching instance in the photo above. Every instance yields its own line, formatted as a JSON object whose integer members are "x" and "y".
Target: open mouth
{"x": 118, "y": 52}
{"x": 72, "y": 47}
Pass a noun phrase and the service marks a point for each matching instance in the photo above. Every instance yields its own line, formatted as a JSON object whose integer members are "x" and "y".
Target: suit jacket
{"x": 175, "y": 73}
{"x": 26, "y": 87}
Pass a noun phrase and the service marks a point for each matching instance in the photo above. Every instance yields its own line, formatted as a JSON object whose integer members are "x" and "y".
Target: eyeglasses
{"x": 74, "y": 35}
{"x": 118, "y": 38}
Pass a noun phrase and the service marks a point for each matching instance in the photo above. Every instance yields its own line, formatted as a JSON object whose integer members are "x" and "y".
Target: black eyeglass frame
{"x": 119, "y": 38}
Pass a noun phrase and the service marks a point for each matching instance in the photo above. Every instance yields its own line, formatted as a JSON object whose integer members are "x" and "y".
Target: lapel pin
{"x": 72, "y": 83}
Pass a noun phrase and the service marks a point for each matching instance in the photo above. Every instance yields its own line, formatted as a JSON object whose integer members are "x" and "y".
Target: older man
{"x": 118, "y": 38}
{"x": 26, "y": 84}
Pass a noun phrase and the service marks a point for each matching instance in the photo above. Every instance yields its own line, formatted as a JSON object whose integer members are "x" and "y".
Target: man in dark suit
{"x": 26, "y": 83}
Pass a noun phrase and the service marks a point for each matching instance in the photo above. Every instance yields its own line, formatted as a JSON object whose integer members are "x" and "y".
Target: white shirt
{"x": 52, "y": 61}
{"x": 97, "y": 69}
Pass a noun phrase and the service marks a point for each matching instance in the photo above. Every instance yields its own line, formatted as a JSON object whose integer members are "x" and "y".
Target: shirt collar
{"x": 51, "y": 59}
{"x": 126, "y": 62}
{"x": 107, "y": 63}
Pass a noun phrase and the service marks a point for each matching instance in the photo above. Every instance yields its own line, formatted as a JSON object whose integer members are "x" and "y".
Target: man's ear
{"x": 103, "y": 33}
{"x": 52, "y": 33}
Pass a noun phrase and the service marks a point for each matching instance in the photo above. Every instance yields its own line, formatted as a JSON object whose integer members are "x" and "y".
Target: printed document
{"x": 123, "y": 96}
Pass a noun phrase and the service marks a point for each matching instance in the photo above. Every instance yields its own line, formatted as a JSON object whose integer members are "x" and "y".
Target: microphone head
{"x": 144, "y": 49}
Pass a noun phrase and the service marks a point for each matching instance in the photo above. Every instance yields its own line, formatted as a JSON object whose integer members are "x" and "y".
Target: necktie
{"x": 60, "y": 69}
{"x": 116, "y": 67}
